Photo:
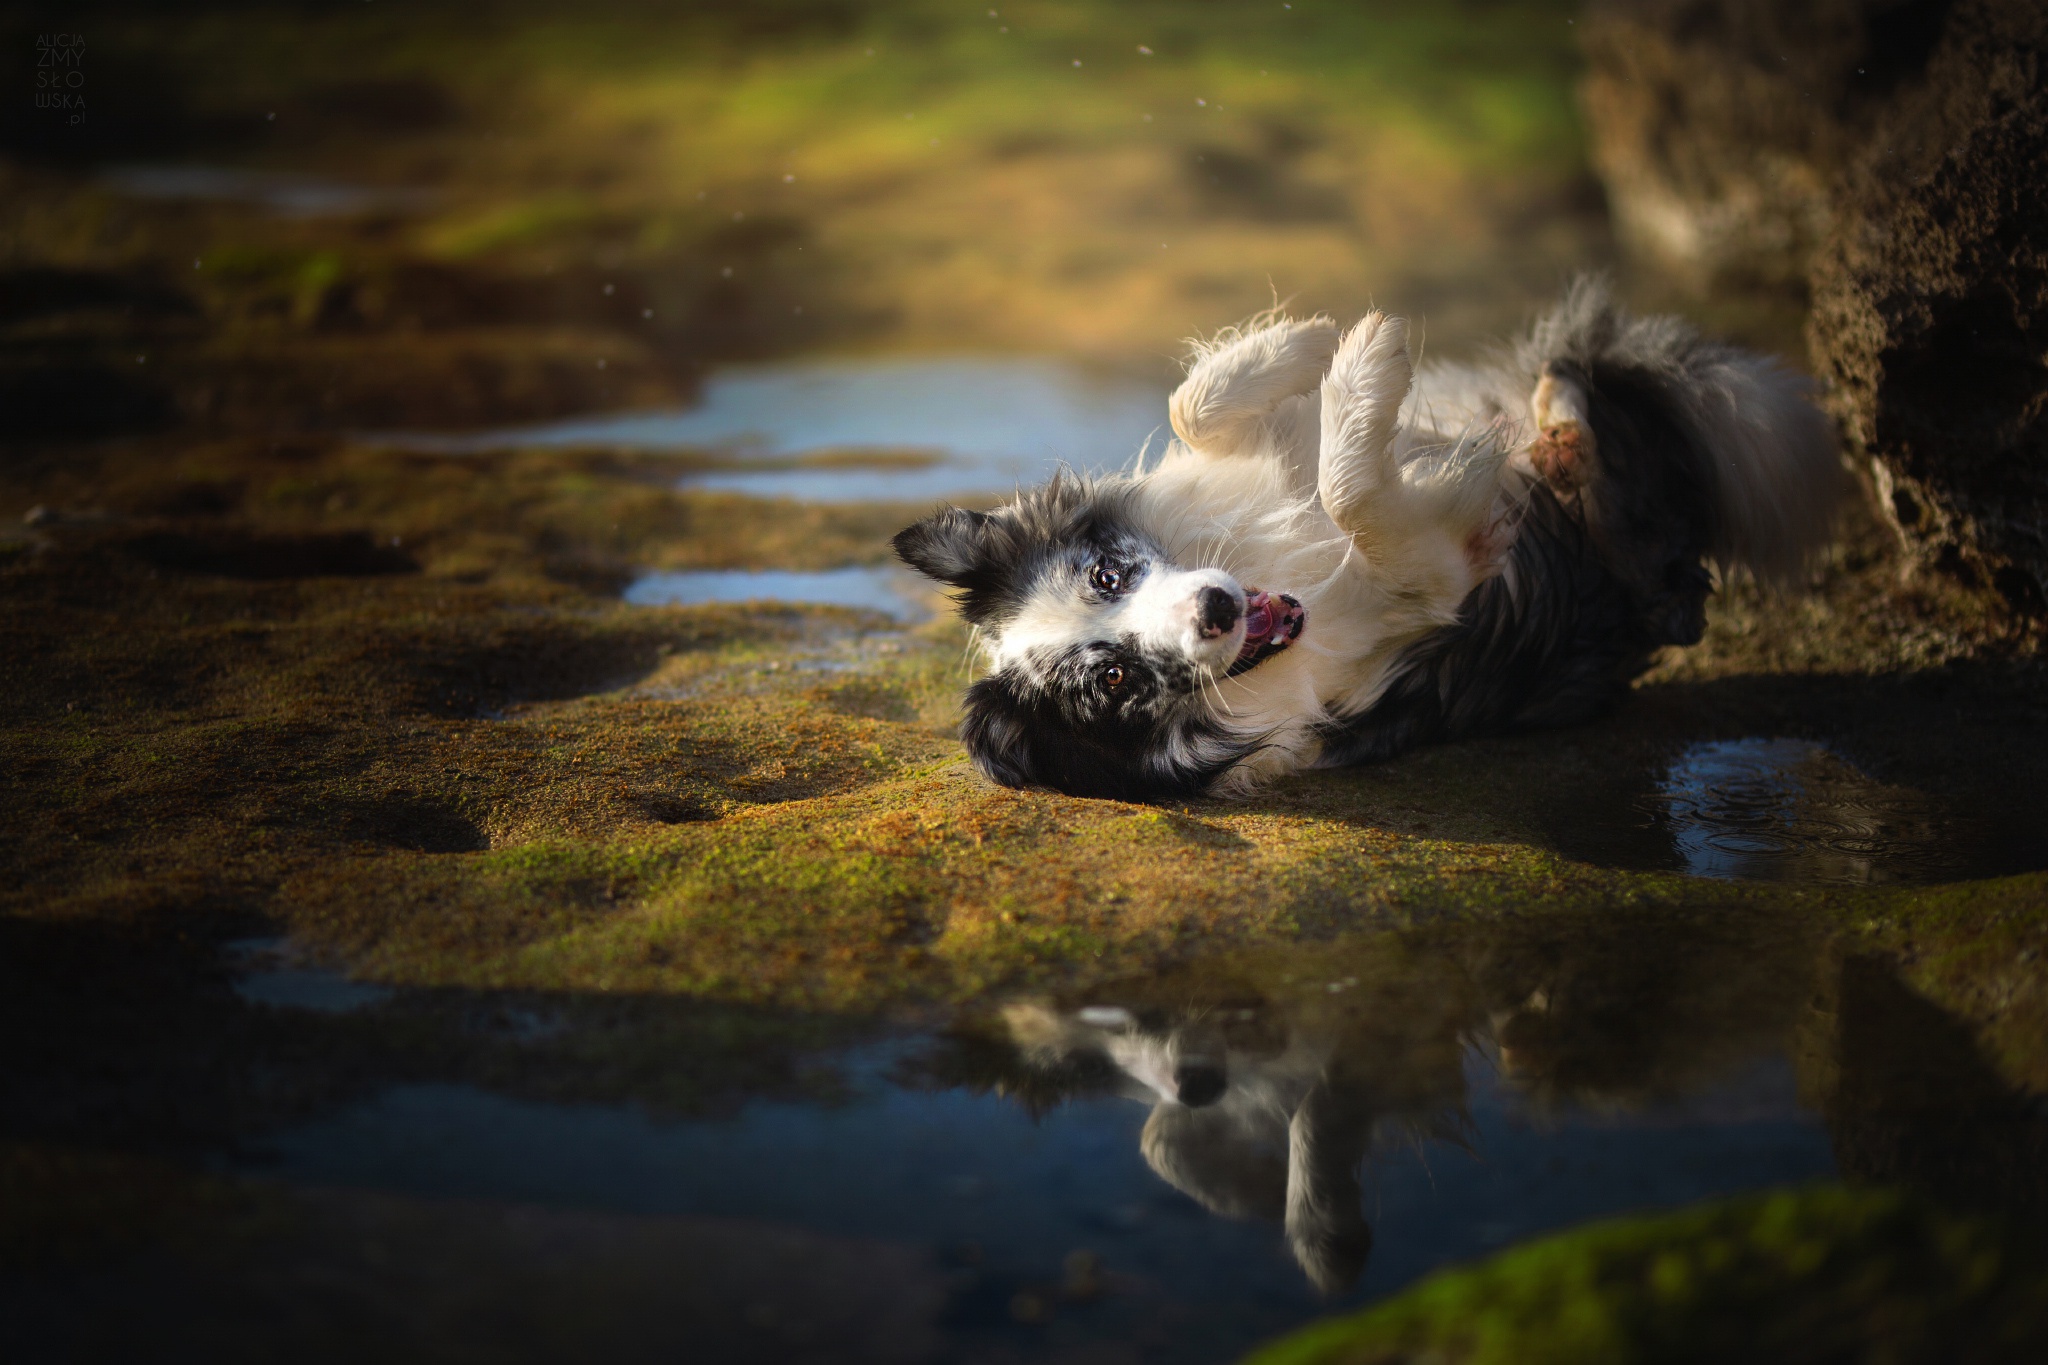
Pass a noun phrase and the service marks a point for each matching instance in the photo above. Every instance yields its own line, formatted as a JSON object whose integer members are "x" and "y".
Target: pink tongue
{"x": 1258, "y": 622}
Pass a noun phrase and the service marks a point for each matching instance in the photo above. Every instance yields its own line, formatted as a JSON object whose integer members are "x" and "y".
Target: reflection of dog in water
{"x": 1274, "y": 1105}
{"x": 1256, "y": 1119}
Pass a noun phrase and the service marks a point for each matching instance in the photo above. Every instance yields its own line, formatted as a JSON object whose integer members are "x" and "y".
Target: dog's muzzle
{"x": 1216, "y": 612}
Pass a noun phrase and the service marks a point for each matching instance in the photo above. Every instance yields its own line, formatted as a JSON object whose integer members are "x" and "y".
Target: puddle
{"x": 1104, "y": 1175}
{"x": 1114, "y": 1173}
{"x": 287, "y": 195}
{"x": 1792, "y": 810}
{"x": 930, "y": 428}
{"x": 893, "y": 592}
{"x": 979, "y": 1180}
{"x": 268, "y": 972}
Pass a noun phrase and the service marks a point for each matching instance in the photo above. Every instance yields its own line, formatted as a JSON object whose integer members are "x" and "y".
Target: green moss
{"x": 1821, "y": 1273}
{"x": 515, "y": 225}
{"x": 474, "y": 766}
{"x": 486, "y": 773}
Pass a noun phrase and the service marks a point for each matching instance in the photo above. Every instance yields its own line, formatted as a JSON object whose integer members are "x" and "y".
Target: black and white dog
{"x": 1340, "y": 558}
{"x": 1274, "y": 1120}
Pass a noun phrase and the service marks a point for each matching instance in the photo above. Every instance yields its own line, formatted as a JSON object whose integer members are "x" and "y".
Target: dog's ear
{"x": 995, "y": 727}
{"x": 947, "y": 545}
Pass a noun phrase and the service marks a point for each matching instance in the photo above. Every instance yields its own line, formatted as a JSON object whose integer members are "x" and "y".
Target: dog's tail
{"x": 1763, "y": 456}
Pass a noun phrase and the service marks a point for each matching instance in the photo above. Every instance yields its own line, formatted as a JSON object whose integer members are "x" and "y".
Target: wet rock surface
{"x": 1879, "y": 159}
{"x": 1930, "y": 304}
{"x": 518, "y": 892}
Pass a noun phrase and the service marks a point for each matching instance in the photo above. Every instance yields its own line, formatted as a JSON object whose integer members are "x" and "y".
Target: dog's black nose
{"x": 1199, "y": 1083}
{"x": 1217, "y": 610}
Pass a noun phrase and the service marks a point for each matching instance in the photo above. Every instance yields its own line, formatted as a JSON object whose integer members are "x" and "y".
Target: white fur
{"x": 1389, "y": 566}
{"x": 1161, "y": 613}
{"x": 1324, "y": 467}
{"x": 1244, "y": 388}
{"x": 1283, "y": 1139}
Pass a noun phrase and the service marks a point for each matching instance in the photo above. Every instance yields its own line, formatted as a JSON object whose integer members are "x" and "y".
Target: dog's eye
{"x": 1106, "y": 578}
{"x": 1113, "y": 676}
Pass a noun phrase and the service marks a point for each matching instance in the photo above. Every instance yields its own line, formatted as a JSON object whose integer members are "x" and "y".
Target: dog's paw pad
{"x": 1562, "y": 453}
{"x": 1563, "y": 450}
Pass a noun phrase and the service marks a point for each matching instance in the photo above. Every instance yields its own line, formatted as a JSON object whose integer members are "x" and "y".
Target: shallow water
{"x": 988, "y": 425}
{"x": 281, "y": 193}
{"x": 894, "y": 592}
{"x": 1794, "y": 810}
{"x": 1034, "y": 1162}
{"x": 1102, "y": 1175}
{"x": 268, "y": 972}
{"x": 977, "y": 1179}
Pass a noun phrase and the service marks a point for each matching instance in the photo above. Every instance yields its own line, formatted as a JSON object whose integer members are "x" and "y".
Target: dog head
{"x": 1101, "y": 645}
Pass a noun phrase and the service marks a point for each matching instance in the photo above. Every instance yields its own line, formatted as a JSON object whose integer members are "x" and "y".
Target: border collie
{"x": 1272, "y": 1120}
{"x": 1340, "y": 558}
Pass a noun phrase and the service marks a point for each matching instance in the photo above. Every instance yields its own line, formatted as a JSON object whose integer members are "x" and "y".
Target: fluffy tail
{"x": 1761, "y": 452}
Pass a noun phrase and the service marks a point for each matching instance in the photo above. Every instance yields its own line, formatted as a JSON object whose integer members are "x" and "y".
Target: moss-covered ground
{"x": 269, "y": 672}
{"x": 1821, "y": 1273}
{"x": 357, "y": 684}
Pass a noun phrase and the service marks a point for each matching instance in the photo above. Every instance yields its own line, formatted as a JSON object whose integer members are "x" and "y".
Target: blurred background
{"x": 484, "y": 827}
{"x": 360, "y": 216}
{"x": 372, "y": 214}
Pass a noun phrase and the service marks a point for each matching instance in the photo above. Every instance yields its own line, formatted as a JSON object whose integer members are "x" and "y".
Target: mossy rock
{"x": 1821, "y": 1273}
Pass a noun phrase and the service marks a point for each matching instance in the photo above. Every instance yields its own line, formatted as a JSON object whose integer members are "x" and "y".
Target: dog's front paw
{"x": 1368, "y": 378}
{"x": 1564, "y": 448}
{"x": 1239, "y": 380}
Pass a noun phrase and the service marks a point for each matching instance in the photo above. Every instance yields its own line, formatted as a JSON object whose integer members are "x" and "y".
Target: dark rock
{"x": 1884, "y": 159}
{"x": 1930, "y": 304}
{"x": 1720, "y": 126}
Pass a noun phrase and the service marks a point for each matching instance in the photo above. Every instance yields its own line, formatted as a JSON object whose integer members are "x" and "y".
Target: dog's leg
{"x": 1432, "y": 521}
{"x": 1358, "y": 477}
{"x": 1327, "y": 1140}
{"x": 1238, "y": 388}
{"x": 1564, "y": 448}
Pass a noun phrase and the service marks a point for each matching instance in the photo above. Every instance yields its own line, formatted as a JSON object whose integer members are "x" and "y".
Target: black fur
{"x": 1071, "y": 733}
{"x": 1608, "y": 567}
{"x": 1600, "y": 577}
{"x": 1554, "y": 640}
{"x": 991, "y": 557}
{"x": 1650, "y": 504}
{"x": 1062, "y": 728}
